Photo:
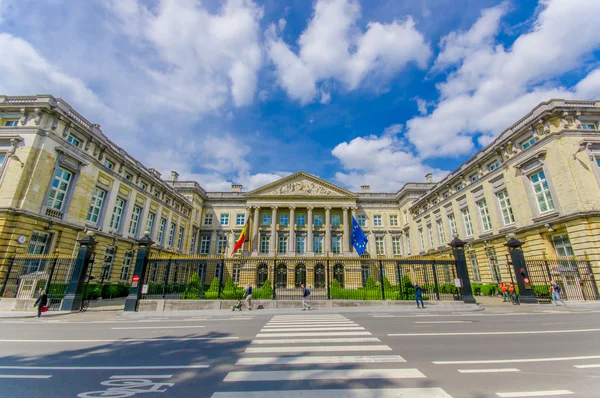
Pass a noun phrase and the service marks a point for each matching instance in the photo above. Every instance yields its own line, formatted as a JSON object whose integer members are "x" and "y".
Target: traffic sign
{"x": 526, "y": 280}
{"x": 136, "y": 278}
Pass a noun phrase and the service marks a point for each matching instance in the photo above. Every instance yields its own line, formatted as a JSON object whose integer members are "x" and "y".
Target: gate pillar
{"x": 458, "y": 249}
{"x": 520, "y": 268}
{"x": 73, "y": 297}
{"x": 139, "y": 272}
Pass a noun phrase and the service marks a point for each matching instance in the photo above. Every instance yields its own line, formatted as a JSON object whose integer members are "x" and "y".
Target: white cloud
{"x": 422, "y": 106}
{"x": 393, "y": 130}
{"x": 493, "y": 86}
{"x": 333, "y": 47}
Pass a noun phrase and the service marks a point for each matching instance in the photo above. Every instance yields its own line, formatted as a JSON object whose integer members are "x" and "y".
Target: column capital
{"x": 256, "y": 207}
{"x": 310, "y": 207}
{"x": 353, "y": 208}
{"x": 327, "y": 208}
{"x": 292, "y": 207}
{"x": 345, "y": 208}
{"x": 274, "y": 207}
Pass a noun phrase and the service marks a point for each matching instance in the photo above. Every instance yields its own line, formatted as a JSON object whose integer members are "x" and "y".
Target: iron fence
{"x": 27, "y": 275}
{"x": 195, "y": 278}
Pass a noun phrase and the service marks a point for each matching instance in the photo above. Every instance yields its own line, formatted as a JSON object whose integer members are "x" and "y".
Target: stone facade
{"x": 61, "y": 177}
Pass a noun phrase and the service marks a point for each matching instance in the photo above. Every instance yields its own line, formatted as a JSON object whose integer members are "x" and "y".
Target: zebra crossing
{"x": 299, "y": 355}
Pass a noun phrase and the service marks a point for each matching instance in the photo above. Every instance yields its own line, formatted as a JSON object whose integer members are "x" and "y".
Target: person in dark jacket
{"x": 419, "y": 296}
{"x": 41, "y": 301}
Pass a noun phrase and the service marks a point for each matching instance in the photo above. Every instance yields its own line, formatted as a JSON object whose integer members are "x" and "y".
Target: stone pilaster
{"x": 310, "y": 247}
{"x": 292, "y": 235}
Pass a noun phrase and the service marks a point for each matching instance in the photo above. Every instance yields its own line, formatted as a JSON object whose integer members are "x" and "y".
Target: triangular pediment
{"x": 301, "y": 184}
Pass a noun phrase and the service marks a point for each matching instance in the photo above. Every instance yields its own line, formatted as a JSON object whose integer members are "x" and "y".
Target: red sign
{"x": 526, "y": 280}
{"x": 136, "y": 278}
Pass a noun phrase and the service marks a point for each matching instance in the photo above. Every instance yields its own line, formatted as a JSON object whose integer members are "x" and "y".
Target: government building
{"x": 61, "y": 176}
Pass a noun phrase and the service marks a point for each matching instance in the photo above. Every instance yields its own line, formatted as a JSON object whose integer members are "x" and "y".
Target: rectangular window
{"x": 39, "y": 243}
{"x": 396, "y": 246}
{"x": 452, "y": 222}
{"x": 430, "y": 236}
{"x": 126, "y": 265}
{"x": 300, "y": 244}
{"x": 505, "y": 207}
{"x": 60, "y": 187}
{"x": 208, "y": 219}
{"x": 527, "y": 143}
{"x": 108, "y": 164}
{"x": 377, "y": 222}
{"x": 194, "y": 240}
{"x": 180, "y": 238}
{"x": 441, "y": 232}
{"x": 474, "y": 267}
{"x": 474, "y": 177}
{"x": 301, "y": 220}
{"x": 484, "y": 213}
{"x": 221, "y": 244}
{"x": 282, "y": 247}
{"x": 588, "y": 126}
{"x": 240, "y": 219}
{"x": 493, "y": 166}
{"x": 266, "y": 219}
{"x": 422, "y": 239}
{"x": 336, "y": 244}
{"x": 224, "y": 219}
{"x": 380, "y": 245}
{"x": 107, "y": 264}
{"x": 393, "y": 221}
{"x": 161, "y": 231}
{"x": 11, "y": 123}
{"x": 318, "y": 245}
{"x": 458, "y": 187}
{"x": 318, "y": 221}
{"x": 204, "y": 245}
{"x": 362, "y": 220}
{"x": 408, "y": 245}
{"x": 117, "y": 215}
{"x": 71, "y": 139}
{"x": 156, "y": 193}
{"x": 96, "y": 205}
{"x": 542, "y": 191}
{"x": 264, "y": 243}
{"x": 335, "y": 221}
{"x": 150, "y": 223}
{"x": 494, "y": 267}
{"x": 172, "y": 235}
{"x": 135, "y": 218}
{"x": 235, "y": 274}
{"x": 128, "y": 176}
{"x": 144, "y": 186}
{"x": 562, "y": 246}
{"x": 283, "y": 220}
{"x": 467, "y": 221}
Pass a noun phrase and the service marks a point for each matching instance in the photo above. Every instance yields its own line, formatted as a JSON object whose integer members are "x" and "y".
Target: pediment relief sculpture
{"x": 302, "y": 187}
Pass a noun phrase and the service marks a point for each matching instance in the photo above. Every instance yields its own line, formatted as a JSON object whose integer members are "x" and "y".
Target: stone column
{"x": 245, "y": 247}
{"x": 346, "y": 237}
{"x": 292, "y": 235}
{"x": 309, "y": 231}
{"x": 273, "y": 245}
{"x": 255, "y": 224}
{"x": 327, "y": 230}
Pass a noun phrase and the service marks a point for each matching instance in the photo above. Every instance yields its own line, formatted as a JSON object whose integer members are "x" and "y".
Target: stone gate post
{"x": 458, "y": 249}
{"x": 72, "y": 300}
{"x": 139, "y": 272}
{"x": 520, "y": 268}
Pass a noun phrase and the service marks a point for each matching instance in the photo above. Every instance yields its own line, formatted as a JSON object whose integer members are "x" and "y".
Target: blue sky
{"x": 375, "y": 92}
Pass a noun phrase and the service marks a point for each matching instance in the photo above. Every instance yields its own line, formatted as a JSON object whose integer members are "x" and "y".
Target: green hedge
{"x": 193, "y": 290}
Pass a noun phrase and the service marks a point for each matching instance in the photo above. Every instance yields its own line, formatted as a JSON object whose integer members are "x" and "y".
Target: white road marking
{"x": 313, "y": 329}
{"x": 313, "y": 360}
{"x": 354, "y": 393}
{"x": 25, "y": 376}
{"x": 493, "y": 333}
{"x": 319, "y": 323}
{"x": 444, "y": 322}
{"x": 199, "y": 366}
{"x": 500, "y": 370}
{"x": 324, "y": 374}
{"x": 314, "y": 334}
{"x": 121, "y": 340}
{"x": 316, "y": 341}
{"x": 306, "y": 325}
{"x": 548, "y": 393}
{"x": 595, "y": 365}
{"x": 142, "y": 376}
{"x": 159, "y": 327}
{"x": 259, "y": 350}
{"x": 515, "y": 360}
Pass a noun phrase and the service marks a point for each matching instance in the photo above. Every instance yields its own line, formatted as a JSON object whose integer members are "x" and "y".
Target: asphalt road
{"x": 504, "y": 352}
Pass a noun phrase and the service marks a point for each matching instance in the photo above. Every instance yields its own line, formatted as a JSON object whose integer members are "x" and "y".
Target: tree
{"x": 193, "y": 290}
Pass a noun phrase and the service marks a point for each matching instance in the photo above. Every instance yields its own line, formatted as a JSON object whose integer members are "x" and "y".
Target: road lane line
{"x": 319, "y": 341}
{"x": 444, "y": 322}
{"x": 500, "y": 370}
{"x": 492, "y": 333}
{"x": 316, "y": 360}
{"x": 259, "y": 350}
{"x": 313, "y": 334}
{"x": 317, "y": 329}
{"x": 489, "y": 361}
{"x": 25, "y": 376}
{"x": 323, "y": 374}
{"x": 122, "y": 340}
{"x": 199, "y": 366}
{"x": 159, "y": 327}
{"x": 596, "y": 365}
{"x": 548, "y": 393}
{"x": 354, "y": 393}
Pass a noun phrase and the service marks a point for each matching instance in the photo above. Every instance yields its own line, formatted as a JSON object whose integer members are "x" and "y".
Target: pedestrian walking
{"x": 555, "y": 290}
{"x": 504, "y": 290}
{"x": 419, "y": 296}
{"x": 41, "y": 302}
{"x": 305, "y": 294}
{"x": 248, "y": 295}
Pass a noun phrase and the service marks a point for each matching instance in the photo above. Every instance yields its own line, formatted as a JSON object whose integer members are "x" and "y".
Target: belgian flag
{"x": 242, "y": 239}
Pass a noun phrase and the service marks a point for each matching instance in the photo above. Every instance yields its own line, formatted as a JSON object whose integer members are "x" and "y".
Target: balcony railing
{"x": 54, "y": 213}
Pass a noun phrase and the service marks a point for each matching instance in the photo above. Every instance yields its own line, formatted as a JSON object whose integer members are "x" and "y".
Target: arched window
{"x": 320, "y": 276}
{"x": 281, "y": 276}
{"x": 262, "y": 274}
{"x": 300, "y": 275}
{"x": 338, "y": 273}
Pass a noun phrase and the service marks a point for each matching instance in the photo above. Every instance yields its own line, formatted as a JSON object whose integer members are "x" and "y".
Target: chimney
{"x": 155, "y": 172}
{"x": 236, "y": 187}
{"x": 365, "y": 188}
{"x": 174, "y": 176}
{"x": 429, "y": 177}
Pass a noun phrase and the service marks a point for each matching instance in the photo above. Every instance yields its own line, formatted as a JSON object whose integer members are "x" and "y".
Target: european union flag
{"x": 358, "y": 238}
